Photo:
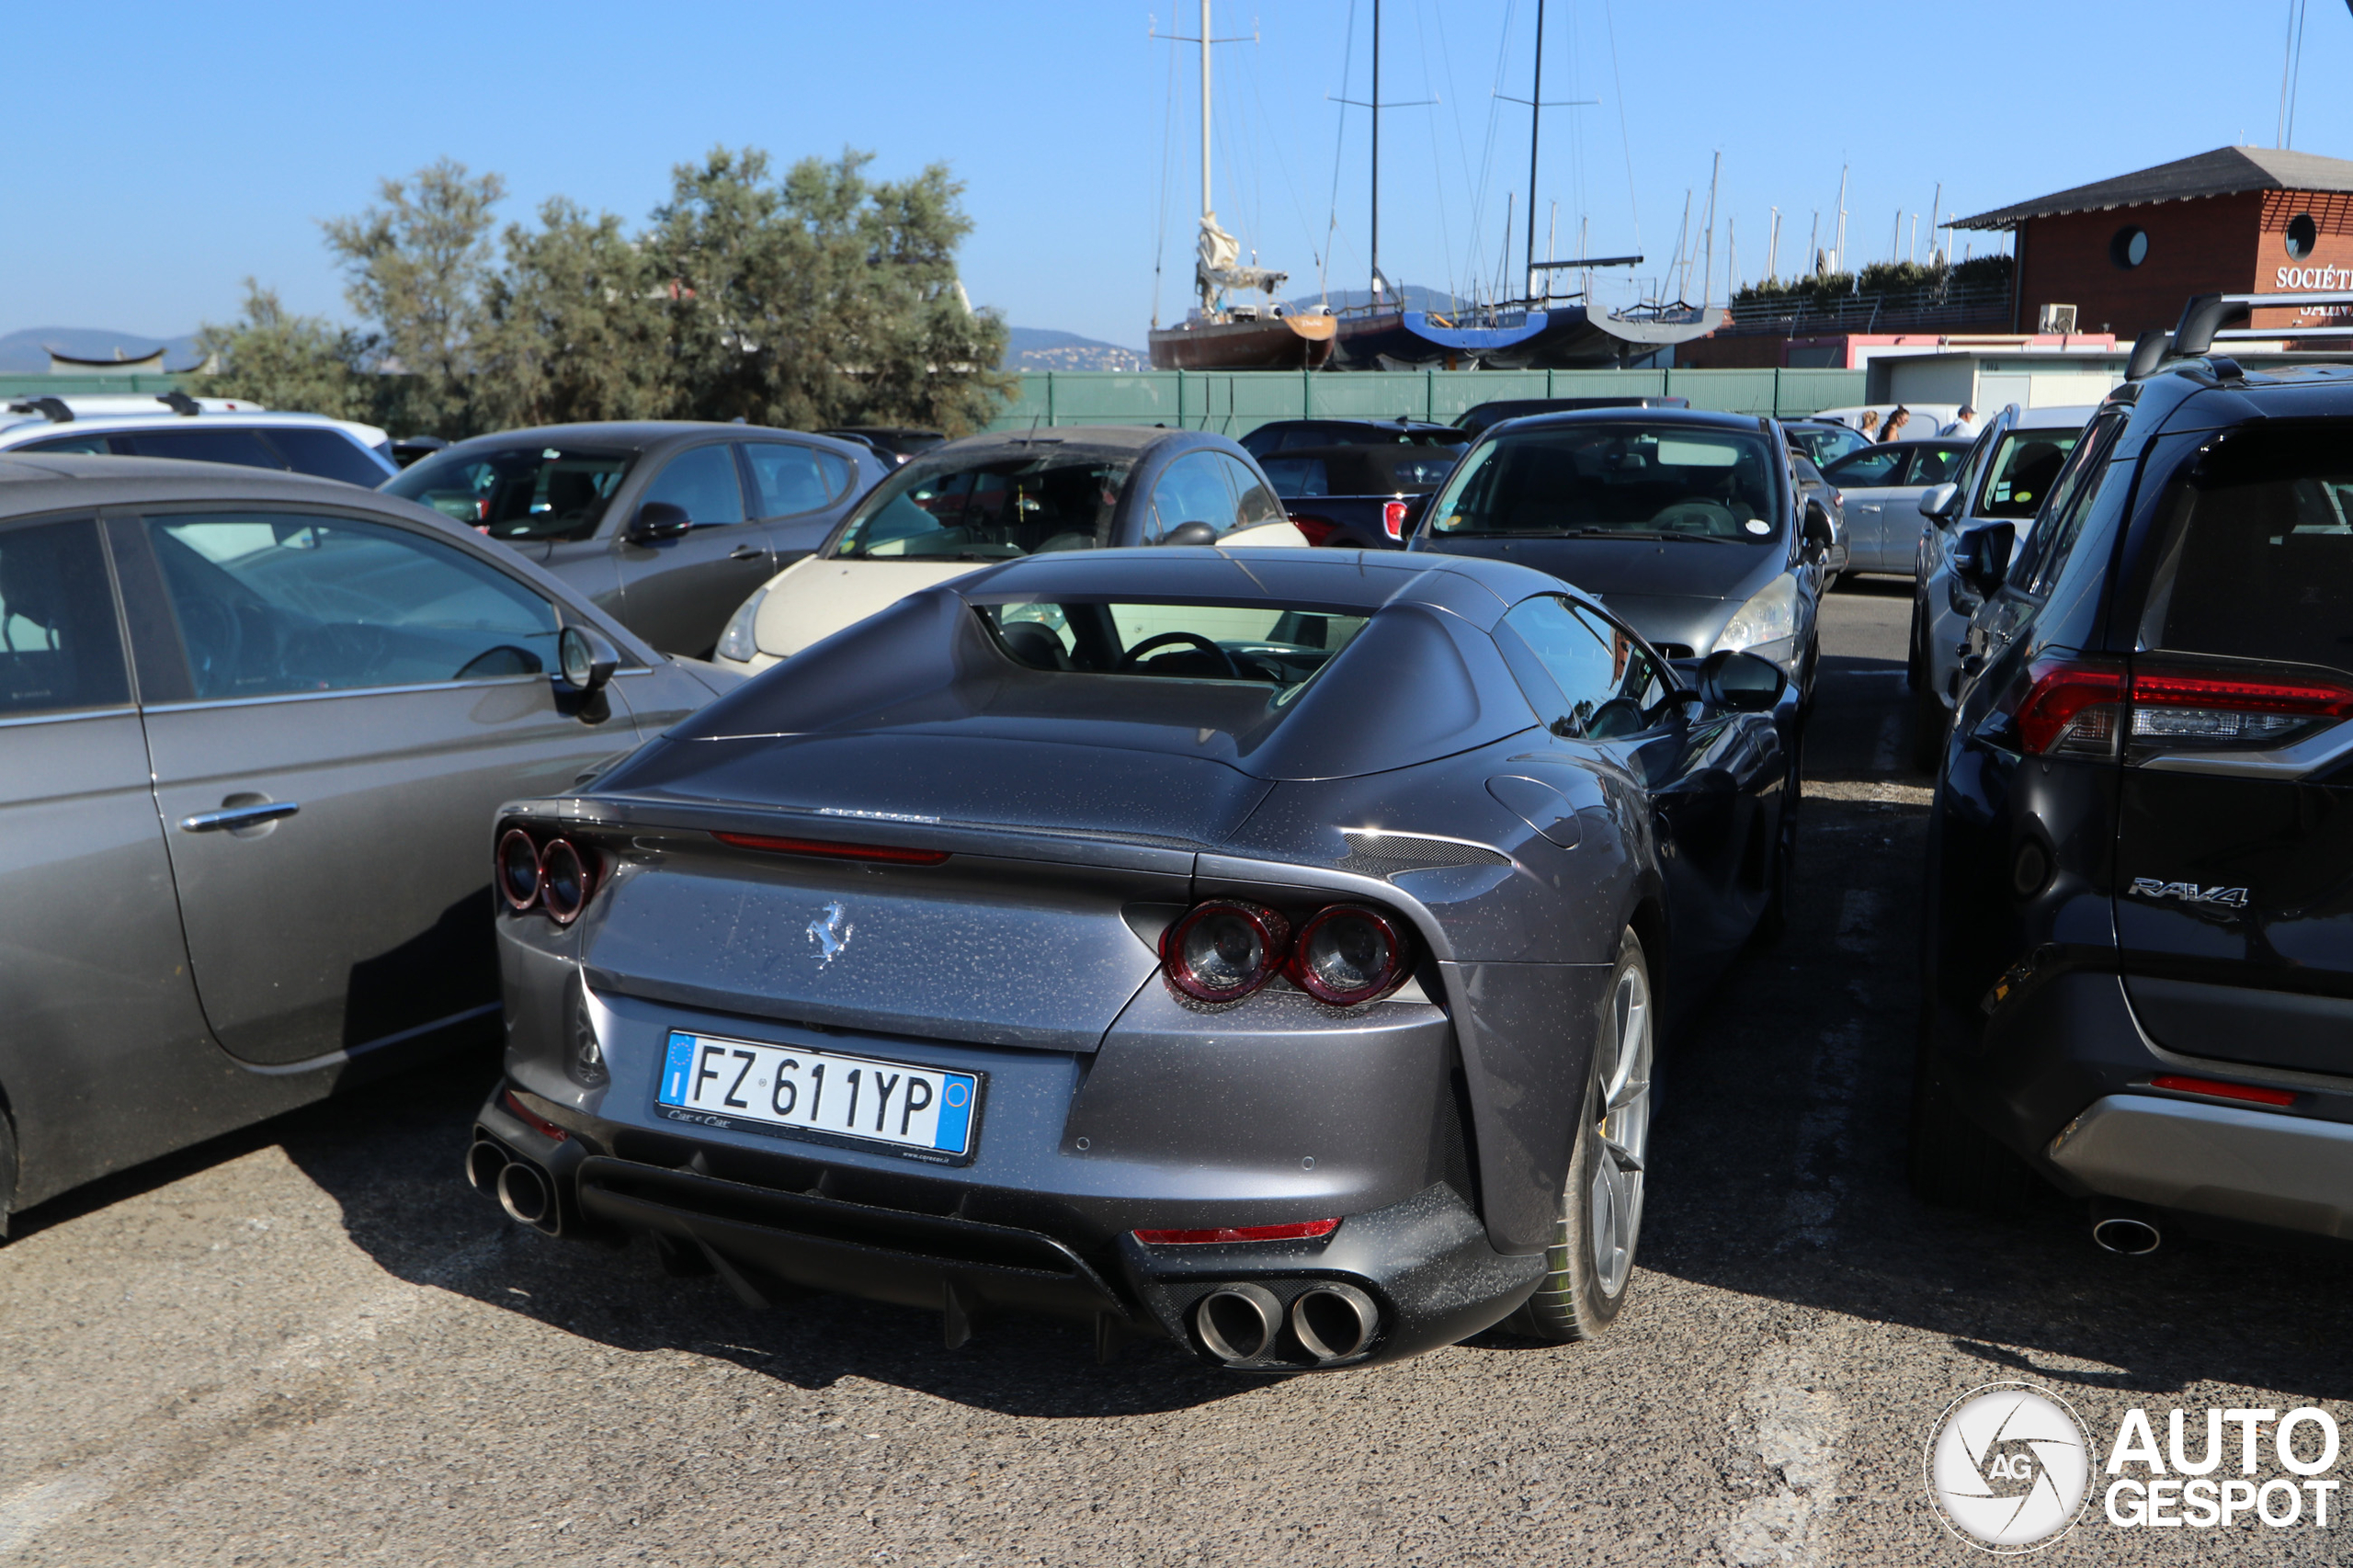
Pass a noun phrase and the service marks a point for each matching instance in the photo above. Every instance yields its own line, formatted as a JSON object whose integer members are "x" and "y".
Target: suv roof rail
{"x": 179, "y": 403}
{"x": 52, "y": 409}
{"x": 2148, "y": 352}
{"x": 2205, "y": 322}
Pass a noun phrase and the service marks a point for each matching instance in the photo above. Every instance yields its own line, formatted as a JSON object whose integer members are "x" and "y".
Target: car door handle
{"x": 745, "y": 552}
{"x": 239, "y": 816}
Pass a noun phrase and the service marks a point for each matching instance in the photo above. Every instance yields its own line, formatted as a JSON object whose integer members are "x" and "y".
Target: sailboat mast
{"x": 1535, "y": 119}
{"x": 1376, "y": 149}
{"x": 1206, "y": 295}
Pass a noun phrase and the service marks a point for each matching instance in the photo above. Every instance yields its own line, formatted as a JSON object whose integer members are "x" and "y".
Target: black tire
{"x": 1578, "y": 1300}
{"x": 1954, "y": 1163}
{"x": 1915, "y": 652}
{"x": 8, "y": 1172}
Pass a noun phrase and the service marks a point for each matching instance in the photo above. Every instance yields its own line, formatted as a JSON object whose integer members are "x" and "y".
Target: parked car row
{"x": 1078, "y": 829}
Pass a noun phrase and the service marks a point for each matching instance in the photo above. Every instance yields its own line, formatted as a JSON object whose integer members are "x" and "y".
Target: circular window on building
{"x": 2302, "y": 235}
{"x": 2131, "y": 247}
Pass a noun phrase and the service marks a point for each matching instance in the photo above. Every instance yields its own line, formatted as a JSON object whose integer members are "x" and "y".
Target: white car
{"x": 992, "y": 497}
{"x": 223, "y": 430}
{"x": 1881, "y": 487}
{"x": 2008, "y": 474}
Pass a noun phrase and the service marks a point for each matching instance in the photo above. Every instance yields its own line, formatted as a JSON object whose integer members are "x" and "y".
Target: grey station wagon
{"x": 255, "y": 727}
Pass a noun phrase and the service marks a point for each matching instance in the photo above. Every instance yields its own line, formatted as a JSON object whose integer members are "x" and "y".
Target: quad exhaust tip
{"x": 1334, "y": 1321}
{"x": 523, "y": 1193}
{"x": 1242, "y": 1324}
{"x": 484, "y": 1162}
{"x": 522, "y": 1189}
{"x": 1238, "y": 1323}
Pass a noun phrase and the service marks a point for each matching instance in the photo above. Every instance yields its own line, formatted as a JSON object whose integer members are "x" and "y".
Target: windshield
{"x": 2023, "y": 467}
{"x": 1824, "y": 444}
{"x": 518, "y": 492}
{"x": 987, "y": 509}
{"x": 1278, "y": 645}
{"x": 1650, "y": 482}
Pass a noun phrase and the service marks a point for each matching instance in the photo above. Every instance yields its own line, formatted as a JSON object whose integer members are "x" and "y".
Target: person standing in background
{"x": 1867, "y": 422}
{"x": 1964, "y": 423}
{"x": 1894, "y": 428}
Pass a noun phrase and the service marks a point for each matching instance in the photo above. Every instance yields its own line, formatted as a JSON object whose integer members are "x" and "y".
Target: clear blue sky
{"x": 163, "y": 152}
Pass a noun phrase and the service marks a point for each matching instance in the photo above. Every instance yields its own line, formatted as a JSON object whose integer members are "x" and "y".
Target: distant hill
{"x": 27, "y": 352}
{"x": 1042, "y": 348}
{"x": 1413, "y": 295}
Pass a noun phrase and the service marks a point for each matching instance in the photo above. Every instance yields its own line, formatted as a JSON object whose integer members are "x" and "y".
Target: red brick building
{"x": 2127, "y": 252}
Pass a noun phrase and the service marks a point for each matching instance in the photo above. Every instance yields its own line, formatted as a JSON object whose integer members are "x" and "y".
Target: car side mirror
{"x": 1819, "y": 534}
{"x": 1982, "y": 557}
{"x": 1940, "y": 500}
{"x": 586, "y": 659}
{"x": 1190, "y": 533}
{"x": 1741, "y": 682}
{"x": 658, "y": 520}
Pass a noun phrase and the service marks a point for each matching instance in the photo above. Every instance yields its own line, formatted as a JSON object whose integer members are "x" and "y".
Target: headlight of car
{"x": 1766, "y": 625}
{"x": 738, "y": 643}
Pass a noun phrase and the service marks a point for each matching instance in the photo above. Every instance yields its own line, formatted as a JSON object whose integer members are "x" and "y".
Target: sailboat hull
{"x": 1557, "y": 337}
{"x": 1270, "y": 343}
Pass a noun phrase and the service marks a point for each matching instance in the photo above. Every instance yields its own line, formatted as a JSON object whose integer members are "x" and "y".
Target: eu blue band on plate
{"x": 676, "y": 1066}
{"x": 955, "y": 1113}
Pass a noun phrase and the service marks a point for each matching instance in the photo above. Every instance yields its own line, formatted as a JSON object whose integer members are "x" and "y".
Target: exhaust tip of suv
{"x": 2128, "y": 1235}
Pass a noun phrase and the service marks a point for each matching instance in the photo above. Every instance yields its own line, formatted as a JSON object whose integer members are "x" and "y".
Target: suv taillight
{"x": 1393, "y": 518}
{"x": 2087, "y": 707}
{"x": 2178, "y": 708}
{"x": 2071, "y": 708}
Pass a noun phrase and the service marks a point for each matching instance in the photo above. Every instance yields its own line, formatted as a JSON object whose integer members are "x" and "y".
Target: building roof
{"x": 2225, "y": 171}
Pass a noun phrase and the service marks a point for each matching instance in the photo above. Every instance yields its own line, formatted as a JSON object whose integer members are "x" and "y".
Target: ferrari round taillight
{"x": 1223, "y": 951}
{"x": 1347, "y": 954}
{"x": 564, "y": 881}
{"x": 517, "y": 870}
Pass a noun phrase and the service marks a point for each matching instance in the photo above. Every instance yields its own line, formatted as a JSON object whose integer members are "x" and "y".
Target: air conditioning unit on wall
{"x": 2060, "y": 319}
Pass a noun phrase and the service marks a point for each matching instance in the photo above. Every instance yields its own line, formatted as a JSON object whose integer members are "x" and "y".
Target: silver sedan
{"x": 255, "y": 727}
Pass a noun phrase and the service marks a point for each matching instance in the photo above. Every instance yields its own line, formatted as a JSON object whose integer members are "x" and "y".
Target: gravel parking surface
{"x": 311, "y": 1343}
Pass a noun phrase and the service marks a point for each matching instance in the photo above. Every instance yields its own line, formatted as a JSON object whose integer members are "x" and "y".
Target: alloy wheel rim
{"x": 1615, "y": 1199}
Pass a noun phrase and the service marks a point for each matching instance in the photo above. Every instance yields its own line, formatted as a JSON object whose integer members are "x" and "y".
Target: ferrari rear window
{"x": 1276, "y": 645}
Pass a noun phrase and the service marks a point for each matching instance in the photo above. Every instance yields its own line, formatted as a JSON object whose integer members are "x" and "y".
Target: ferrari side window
{"x": 1635, "y": 686}
{"x": 1579, "y": 664}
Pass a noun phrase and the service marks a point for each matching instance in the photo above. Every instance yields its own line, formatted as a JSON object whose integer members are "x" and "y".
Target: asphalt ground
{"x": 311, "y": 1343}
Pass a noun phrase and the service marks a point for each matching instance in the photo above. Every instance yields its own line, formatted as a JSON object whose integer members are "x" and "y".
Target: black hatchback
{"x": 2139, "y": 934}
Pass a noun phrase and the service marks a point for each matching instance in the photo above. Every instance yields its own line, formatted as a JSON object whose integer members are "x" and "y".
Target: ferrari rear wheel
{"x": 1589, "y": 1266}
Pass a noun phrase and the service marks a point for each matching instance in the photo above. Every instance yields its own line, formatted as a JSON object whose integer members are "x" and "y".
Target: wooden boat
{"x": 1245, "y": 340}
{"x": 1216, "y": 334}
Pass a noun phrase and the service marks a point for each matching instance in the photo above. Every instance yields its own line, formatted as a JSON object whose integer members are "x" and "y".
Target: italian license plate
{"x": 795, "y": 1092}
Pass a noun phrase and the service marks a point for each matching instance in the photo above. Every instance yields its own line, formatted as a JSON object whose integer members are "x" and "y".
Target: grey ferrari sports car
{"x": 1261, "y": 948}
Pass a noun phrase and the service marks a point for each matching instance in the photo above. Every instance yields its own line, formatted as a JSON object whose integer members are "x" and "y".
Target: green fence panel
{"x": 1452, "y": 391}
{"x": 1812, "y": 391}
{"x": 1608, "y": 383}
{"x": 1237, "y": 403}
{"x": 1373, "y": 394}
{"x": 1726, "y": 391}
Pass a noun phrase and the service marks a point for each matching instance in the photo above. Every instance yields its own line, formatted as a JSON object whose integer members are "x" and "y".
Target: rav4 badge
{"x": 2189, "y": 892}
